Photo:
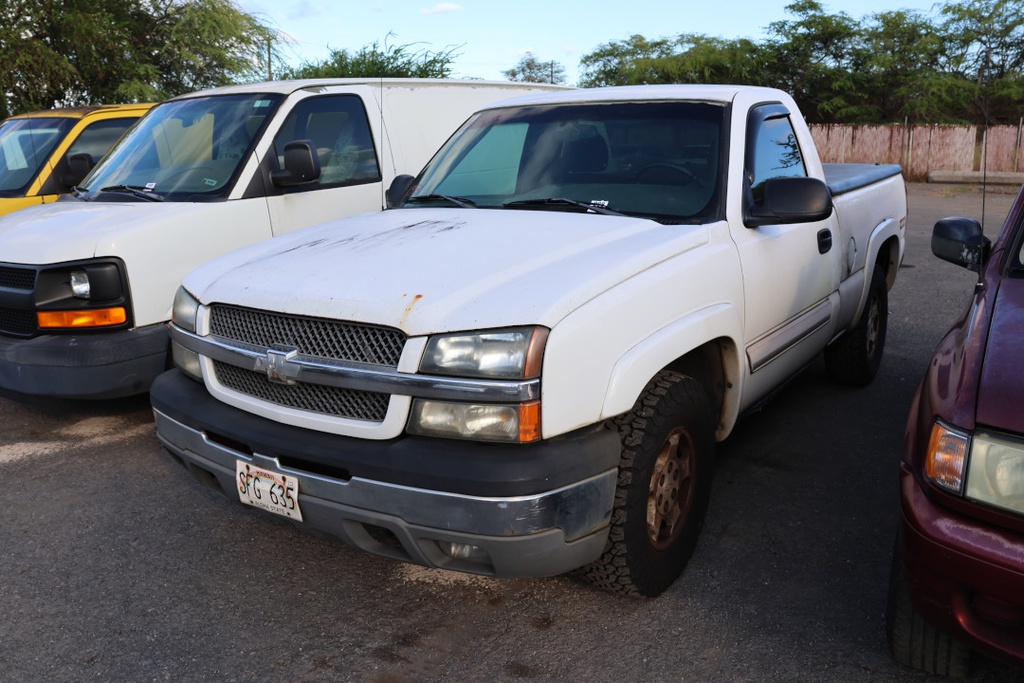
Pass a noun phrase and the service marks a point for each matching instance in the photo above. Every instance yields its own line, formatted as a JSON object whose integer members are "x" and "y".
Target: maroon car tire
{"x": 914, "y": 642}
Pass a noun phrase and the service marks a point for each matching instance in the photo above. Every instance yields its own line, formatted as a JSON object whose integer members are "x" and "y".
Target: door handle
{"x": 824, "y": 241}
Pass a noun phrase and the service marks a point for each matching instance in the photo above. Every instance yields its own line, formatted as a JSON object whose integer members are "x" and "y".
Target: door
{"x": 789, "y": 270}
{"x": 338, "y": 127}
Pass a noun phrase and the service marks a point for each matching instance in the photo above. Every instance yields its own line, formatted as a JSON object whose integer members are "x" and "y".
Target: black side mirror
{"x": 399, "y": 187}
{"x": 301, "y": 165}
{"x": 790, "y": 200}
{"x": 960, "y": 241}
{"x": 79, "y": 166}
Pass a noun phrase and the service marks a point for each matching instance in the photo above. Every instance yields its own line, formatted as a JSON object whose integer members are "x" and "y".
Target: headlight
{"x": 79, "y": 280}
{"x": 82, "y": 295}
{"x": 519, "y": 423}
{"x": 183, "y": 314}
{"x": 946, "y": 459}
{"x": 495, "y": 354}
{"x": 184, "y": 310}
{"x": 505, "y": 354}
{"x": 996, "y": 471}
{"x": 187, "y": 361}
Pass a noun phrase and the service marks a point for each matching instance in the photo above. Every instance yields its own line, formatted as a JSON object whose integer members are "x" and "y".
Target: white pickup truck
{"x": 523, "y": 368}
{"x": 86, "y": 283}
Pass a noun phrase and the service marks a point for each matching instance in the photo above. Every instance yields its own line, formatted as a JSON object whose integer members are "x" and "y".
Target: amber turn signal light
{"x": 95, "y": 317}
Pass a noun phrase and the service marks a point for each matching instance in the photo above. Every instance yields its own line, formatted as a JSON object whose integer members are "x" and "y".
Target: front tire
{"x": 853, "y": 359}
{"x": 914, "y": 642}
{"x": 664, "y": 485}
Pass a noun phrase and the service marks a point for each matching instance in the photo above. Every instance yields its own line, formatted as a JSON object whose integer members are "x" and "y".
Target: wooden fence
{"x": 922, "y": 150}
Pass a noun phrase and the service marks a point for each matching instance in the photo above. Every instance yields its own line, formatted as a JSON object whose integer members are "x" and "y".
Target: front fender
{"x": 723, "y": 322}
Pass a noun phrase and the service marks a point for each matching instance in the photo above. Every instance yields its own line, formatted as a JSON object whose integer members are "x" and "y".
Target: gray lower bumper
{"x": 538, "y": 535}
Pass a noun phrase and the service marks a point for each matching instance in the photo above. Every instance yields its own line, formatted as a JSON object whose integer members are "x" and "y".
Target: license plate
{"x": 267, "y": 490}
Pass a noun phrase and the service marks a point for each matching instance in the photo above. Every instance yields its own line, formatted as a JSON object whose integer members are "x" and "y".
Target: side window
{"x": 776, "y": 153}
{"x": 99, "y": 137}
{"x": 340, "y": 132}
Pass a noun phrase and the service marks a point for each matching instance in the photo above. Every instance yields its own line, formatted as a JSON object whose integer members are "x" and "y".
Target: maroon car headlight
{"x": 946, "y": 460}
{"x": 995, "y": 473}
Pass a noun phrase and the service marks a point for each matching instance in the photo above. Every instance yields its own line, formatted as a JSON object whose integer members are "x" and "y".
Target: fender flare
{"x": 861, "y": 280}
{"x": 719, "y": 322}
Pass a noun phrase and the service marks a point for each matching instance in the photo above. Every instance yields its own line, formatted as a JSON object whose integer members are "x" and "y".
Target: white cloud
{"x": 441, "y": 7}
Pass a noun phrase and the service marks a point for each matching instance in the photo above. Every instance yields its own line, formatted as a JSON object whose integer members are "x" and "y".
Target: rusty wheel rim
{"x": 671, "y": 491}
{"x": 874, "y": 326}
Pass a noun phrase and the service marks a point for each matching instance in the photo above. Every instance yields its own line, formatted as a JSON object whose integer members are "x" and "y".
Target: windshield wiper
{"x": 594, "y": 207}
{"x": 460, "y": 202}
{"x": 135, "y": 191}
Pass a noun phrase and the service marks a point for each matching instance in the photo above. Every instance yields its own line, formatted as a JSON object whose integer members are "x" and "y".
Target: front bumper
{"x": 965, "y": 577}
{"x": 528, "y": 510}
{"x": 97, "y": 366}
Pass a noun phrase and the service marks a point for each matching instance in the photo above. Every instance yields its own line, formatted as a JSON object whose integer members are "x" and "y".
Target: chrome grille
{"x": 311, "y": 336}
{"x": 333, "y": 401}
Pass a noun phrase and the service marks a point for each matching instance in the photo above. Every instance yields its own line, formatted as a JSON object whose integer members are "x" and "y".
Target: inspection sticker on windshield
{"x": 267, "y": 490}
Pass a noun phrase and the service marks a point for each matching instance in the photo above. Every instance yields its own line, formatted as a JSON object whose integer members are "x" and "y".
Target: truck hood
{"x": 1001, "y": 389}
{"x": 431, "y": 270}
{"x": 66, "y": 231}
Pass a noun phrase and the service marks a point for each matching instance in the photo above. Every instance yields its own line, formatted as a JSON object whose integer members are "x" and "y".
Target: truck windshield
{"x": 183, "y": 150}
{"x": 659, "y": 160}
{"x": 25, "y": 145}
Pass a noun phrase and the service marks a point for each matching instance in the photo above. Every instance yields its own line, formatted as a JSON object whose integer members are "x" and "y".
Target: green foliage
{"x": 532, "y": 70}
{"x": 625, "y": 62}
{"x": 985, "y": 49}
{"x": 72, "y": 52}
{"x": 894, "y": 66}
{"x": 690, "y": 58}
{"x": 372, "y": 61}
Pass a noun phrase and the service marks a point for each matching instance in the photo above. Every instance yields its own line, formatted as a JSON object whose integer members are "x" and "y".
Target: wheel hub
{"x": 671, "y": 489}
{"x": 872, "y": 326}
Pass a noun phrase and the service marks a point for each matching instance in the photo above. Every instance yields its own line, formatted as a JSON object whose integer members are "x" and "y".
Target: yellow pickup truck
{"x": 45, "y": 153}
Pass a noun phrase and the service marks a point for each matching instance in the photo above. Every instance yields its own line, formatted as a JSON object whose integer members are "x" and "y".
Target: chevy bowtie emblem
{"x": 278, "y": 365}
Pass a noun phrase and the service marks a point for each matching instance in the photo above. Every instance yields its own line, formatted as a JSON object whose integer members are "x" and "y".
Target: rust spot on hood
{"x": 408, "y": 309}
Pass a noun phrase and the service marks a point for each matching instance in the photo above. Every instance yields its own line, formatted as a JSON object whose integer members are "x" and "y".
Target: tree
{"x": 985, "y": 48}
{"x": 371, "y": 61}
{"x": 72, "y": 52}
{"x": 902, "y": 58}
{"x": 531, "y": 70}
{"x": 814, "y": 57}
{"x": 688, "y": 58}
{"x": 624, "y": 62}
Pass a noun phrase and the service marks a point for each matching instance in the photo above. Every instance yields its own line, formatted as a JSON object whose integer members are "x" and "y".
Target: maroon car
{"x": 958, "y": 568}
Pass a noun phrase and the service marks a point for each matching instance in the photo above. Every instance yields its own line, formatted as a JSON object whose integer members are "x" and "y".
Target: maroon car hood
{"x": 1001, "y": 390}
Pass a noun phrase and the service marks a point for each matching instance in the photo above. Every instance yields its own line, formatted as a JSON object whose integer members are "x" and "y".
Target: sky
{"x": 489, "y": 37}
